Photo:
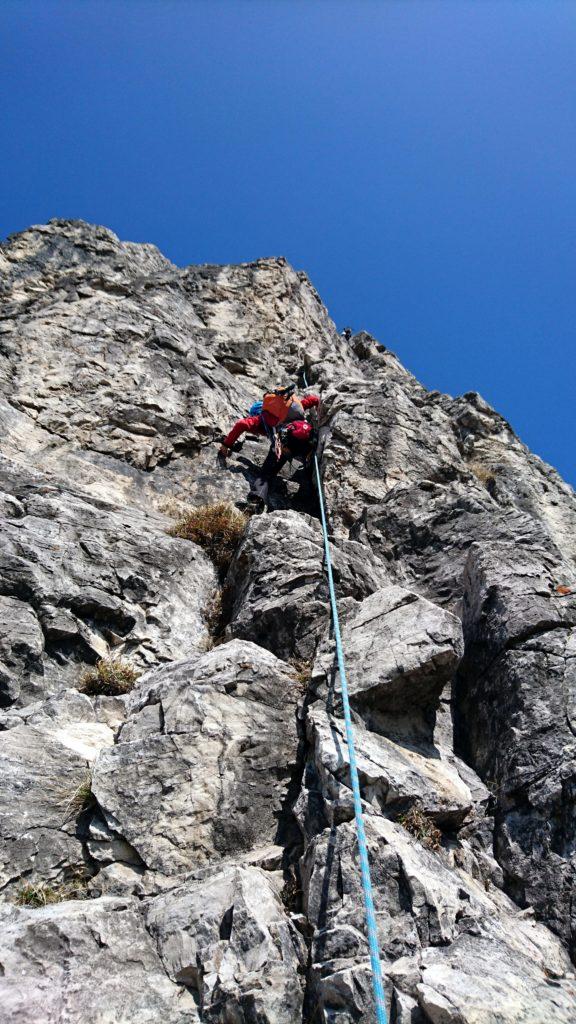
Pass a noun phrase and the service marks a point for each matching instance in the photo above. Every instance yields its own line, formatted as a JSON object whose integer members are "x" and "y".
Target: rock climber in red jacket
{"x": 281, "y": 418}
{"x": 257, "y": 424}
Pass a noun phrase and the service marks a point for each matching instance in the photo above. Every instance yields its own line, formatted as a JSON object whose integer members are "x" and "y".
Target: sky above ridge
{"x": 416, "y": 157}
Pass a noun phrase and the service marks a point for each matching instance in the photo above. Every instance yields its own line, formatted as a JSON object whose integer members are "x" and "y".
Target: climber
{"x": 346, "y": 333}
{"x": 280, "y": 417}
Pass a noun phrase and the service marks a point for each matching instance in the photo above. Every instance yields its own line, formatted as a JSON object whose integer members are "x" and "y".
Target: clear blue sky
{"x": 416, "y": 157}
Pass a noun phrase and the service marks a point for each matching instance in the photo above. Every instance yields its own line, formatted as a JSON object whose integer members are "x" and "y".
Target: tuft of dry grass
{"x": 41, "y": 894}
{"x": 217, "y": 528}
{"x": 82, "y": 798}
{"x": 302, "y": 671}
{"x": 217, "y": 615}
{"x": 110, "y": 677}
{"x": 481, "y": 472}
{"x": 421, "y": 826}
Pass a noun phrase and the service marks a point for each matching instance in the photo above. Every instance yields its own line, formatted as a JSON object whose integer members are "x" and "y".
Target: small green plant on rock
{"x": 110, "y": 677}
{"x": 421, "y": 826}
{"x": 39, "y": 895}
{"x": 216, "y": 528}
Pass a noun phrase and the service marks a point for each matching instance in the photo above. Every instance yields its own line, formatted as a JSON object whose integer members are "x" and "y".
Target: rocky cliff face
{"x": 208, "y": 813}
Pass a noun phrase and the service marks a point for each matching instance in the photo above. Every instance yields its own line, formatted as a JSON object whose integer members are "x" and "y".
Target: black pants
{"x": 270, "y": 469}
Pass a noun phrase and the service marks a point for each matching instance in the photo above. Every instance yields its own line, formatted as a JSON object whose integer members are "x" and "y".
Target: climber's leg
{"x": 270, "y": 469}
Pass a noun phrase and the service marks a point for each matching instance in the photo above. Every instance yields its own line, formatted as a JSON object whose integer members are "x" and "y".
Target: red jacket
{"x": 254, "y": 425}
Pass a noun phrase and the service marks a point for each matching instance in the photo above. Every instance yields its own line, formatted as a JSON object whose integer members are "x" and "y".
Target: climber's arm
{"x": 309, "y": 401}
{"x": 249, "y": 423}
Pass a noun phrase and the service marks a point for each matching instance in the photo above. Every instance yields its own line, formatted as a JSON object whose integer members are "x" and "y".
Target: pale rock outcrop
{"x": 91, "y": 961}
{"x": 217, "y": 792}
{"x": 229, "y": 939}
{"x": 276, "y": 587}
{"x": 202, "y": 767}
{"x": 401, "y": 650}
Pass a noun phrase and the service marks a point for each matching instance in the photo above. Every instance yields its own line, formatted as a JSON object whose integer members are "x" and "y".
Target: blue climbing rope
{"x": 377, "y": 983}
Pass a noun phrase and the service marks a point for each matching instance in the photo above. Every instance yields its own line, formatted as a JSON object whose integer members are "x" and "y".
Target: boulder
{"x": 91, "y": 961}
{"x": 203, "y": 765}
{"x": 515, "y": 719}
{"x": 277, "y": 589}
{"x": 393, "y": 777}
{"x": 41, "y": 777}
{"x": 400, "y": 651}
{"x": 482, "y": 978}
{"x": 229, "y": 940}
{"x": 46, "y": 753}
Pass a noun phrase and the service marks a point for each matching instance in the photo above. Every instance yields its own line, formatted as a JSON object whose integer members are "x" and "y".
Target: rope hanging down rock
{"x": 377, "y": 984}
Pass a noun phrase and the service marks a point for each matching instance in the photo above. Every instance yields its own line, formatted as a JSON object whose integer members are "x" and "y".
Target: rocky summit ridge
{"x": 206, "y": 816}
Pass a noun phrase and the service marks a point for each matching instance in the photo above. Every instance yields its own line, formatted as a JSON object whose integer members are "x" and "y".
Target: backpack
{"x": 277, "y": 406}
{"x": 255, "y": 409}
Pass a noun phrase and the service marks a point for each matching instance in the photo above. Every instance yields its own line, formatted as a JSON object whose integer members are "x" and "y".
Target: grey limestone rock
{"x": 277, "y": 585}
{"x": 516, "y": 719}
{"x": 229, "y": 939}
{"x": 121, "y": 357}
{"x": 400, "y": 652}
{"x": 46, "y": 753}
{"x": 427, "y": 916}
{"x": 83, "y": 577}
{"x": 39, "y": 838}
{"x": 393, "y": 777}
{"x": 91, "y": 961}
{"x": 483, "y": 978}
{"x": 21, "y": 647}
{"x": 214, "y": 828}
{"x": 202, "y": 767}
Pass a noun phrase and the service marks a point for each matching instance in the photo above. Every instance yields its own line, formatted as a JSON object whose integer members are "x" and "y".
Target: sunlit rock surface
{"x": 206, "y": 817}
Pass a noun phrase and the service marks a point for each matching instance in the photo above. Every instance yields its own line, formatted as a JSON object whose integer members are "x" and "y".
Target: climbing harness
{"x": 377, "y": 983}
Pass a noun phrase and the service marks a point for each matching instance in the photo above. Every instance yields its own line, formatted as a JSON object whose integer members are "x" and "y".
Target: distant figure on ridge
{"x": 279, "y": 417}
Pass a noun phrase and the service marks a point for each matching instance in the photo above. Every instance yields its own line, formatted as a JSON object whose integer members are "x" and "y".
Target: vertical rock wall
{"x": 214, "y": 829}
